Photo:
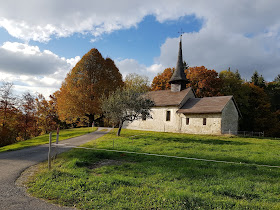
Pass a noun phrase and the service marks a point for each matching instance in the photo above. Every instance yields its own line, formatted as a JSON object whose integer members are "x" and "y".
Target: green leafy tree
{"x": 258, "y": 80}
{"x": 137, "y": 82}
{"x": 277, "y": 79}
{"x": 126, "y": 105}
{"x": 231, "y": 82}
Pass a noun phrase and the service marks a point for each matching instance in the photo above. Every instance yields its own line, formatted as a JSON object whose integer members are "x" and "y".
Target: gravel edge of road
{"x": 25, "y": 176}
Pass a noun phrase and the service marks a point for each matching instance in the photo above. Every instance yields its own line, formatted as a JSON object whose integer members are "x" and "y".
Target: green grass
{"x": 228, "y": 148}
{"x": 146, "y": 182}
{"x": 39, "y": 140}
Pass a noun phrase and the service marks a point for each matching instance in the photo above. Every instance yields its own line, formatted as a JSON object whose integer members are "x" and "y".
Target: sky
{"x": 41, "y": 41}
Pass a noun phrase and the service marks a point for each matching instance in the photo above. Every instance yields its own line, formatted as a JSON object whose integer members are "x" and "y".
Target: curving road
{"x": 13, "y": 163}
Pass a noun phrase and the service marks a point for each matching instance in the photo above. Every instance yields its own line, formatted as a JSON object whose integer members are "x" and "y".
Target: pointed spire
{"x": 179, "y": 76}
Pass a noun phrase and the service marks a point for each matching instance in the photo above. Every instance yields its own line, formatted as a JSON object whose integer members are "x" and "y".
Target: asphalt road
{"x": 13, "y": 163}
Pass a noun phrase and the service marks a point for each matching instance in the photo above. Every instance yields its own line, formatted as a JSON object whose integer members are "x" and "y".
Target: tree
{"x": 126, "y": 105}
{"x": 273, "y": 91}
{"x": 230, "y": 82}
{"x": 161, "y": 81}
{"x": 205, "y": 83}
{"x": 47, "y": 116}
{"x": 80, "y": 93}
{"x": 257, "y": 115}
{"x": 28, "y": 119}
{"x": 258, "y": 80}
{"x": 8, "y": 115}
{"x": 277, "y": 79}
{"x": 137, "y": 82}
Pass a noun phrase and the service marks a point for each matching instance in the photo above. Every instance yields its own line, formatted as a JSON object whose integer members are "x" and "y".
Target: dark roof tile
{"x": 205, "y": 105}
{"x": 168, "y": 98}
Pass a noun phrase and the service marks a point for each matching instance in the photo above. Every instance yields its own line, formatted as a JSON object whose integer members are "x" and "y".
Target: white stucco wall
{"x": 213, "y": 124}
{"x": 158, "y": 123}
{"x": 177, "y": 122}
{"x": 230, "y": 118}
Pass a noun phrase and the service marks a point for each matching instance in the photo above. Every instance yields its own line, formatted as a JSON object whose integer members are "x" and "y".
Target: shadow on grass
{"x": 192, "y": 168}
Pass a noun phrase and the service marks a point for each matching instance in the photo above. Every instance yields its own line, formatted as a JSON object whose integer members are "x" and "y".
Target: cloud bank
{"x": 241, "y": 34}
{"x": 30, "y": 69}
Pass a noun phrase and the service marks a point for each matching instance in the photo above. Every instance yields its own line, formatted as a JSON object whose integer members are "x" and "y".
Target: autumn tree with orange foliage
{"x": 28, "y": 117}
{"x": 80, "y": 93}
{"x": 161, "y": 81}
{"x": 46, "y": 114}
{"x": 205, "y": 83}
{"x": 8, "y": 115}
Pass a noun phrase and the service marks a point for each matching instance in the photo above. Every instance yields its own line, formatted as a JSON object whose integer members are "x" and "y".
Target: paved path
{"x": 13, "y": 163}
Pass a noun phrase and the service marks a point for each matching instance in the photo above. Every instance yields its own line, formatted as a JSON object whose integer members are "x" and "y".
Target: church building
{"x": 179, "y": 110}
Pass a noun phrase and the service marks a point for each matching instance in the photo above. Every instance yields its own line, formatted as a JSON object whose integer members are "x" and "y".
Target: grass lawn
{"x": 63, "y": 134}
{"x": 91, "y": 179}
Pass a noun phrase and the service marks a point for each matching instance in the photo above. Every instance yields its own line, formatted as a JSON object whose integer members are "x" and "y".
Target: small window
{"x": 144, "y": 117}
{"x": 187, "y": 121}
{"x": 167, "y": 115}
{"x": 204, "y": 121}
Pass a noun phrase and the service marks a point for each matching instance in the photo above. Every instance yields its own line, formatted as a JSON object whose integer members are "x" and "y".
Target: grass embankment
{"x": 91, "y": 179}
{"x": 39, "y": 140}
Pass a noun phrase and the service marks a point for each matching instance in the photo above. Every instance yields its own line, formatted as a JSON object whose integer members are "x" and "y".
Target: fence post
{"x": 57, "y": 135}
{"x": 50, "y": 148}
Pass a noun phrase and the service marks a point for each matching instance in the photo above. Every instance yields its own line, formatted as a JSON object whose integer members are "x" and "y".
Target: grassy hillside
{"x": 91, "y": 179}
{"x": 43, "y": 139}
{"x": 228, "y": 148}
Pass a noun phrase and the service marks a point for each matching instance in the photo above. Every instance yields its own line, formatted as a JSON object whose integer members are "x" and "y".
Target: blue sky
{"x": 41, "y": 41}
{"x": 142, "y": 42}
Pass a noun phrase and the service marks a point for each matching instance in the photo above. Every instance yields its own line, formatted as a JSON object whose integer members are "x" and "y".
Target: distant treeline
{"x": 26, "y": 116}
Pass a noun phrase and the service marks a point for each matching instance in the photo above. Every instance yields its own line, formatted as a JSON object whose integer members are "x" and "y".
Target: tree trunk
{"x": 90, "y": 118}
{"x": 120, "y": 128}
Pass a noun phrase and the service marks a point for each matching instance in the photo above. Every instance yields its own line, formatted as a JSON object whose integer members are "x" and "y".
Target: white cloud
{"x": 243, "y": 34}
{"x": 128, "y": 66}
{"x": 23, "y": 59}
{"x": 155, "y": 68}
{"x": 28, "y": 68}
{"x": 39, "y": 20}
{"x": 222, "y": 50}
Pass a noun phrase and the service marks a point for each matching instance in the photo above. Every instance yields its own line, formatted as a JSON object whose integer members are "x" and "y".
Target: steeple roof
{"x": 179, "y": 74}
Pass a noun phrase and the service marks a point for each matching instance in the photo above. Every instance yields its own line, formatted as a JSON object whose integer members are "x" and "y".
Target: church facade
{"x": 179, "y": 110}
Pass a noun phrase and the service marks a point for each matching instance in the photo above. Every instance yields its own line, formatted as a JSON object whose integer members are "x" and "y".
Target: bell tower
{"x": 178, "y": 80}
